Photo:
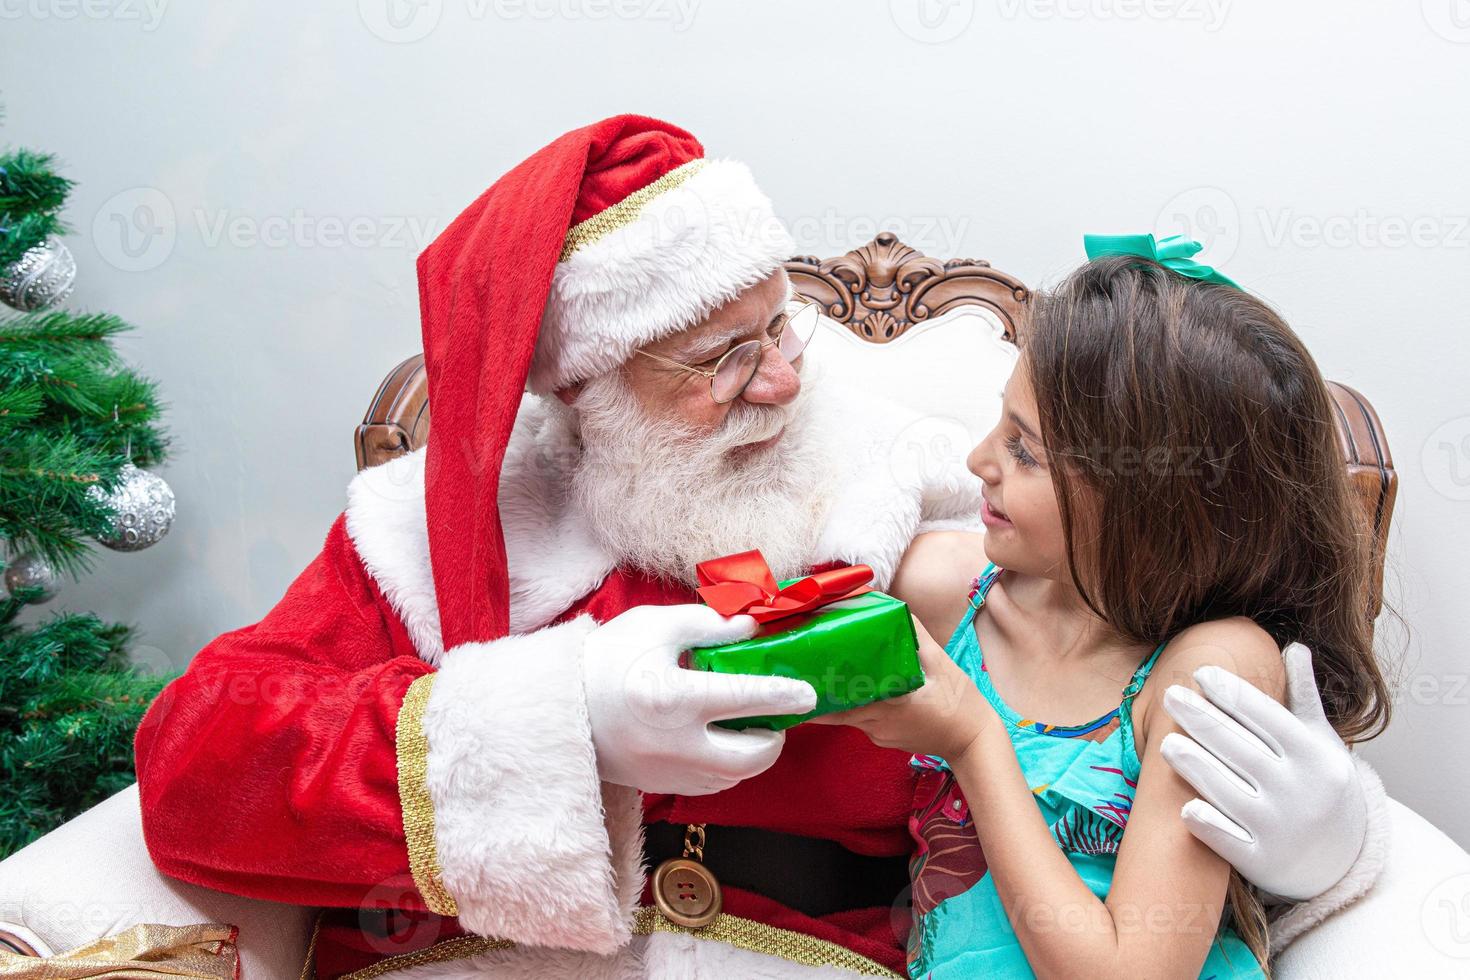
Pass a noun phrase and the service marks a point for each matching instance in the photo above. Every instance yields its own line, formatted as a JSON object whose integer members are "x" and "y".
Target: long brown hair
{"x": 1199, "y": 475}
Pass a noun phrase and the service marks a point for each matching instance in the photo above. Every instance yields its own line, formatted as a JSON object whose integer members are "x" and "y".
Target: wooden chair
{"x": 878, "y": 292}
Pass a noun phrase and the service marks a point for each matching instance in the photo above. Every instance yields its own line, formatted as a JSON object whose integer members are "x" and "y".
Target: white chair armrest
{"x": 92, "y": 877}
{"x": 1413, "y": 922}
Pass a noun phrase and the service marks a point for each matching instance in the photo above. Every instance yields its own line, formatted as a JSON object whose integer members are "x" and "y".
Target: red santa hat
{"x": 613, "y": 236}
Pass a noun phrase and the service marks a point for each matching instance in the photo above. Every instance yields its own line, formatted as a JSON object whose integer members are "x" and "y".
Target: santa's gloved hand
{"x": 651, "y": 718}
{"x": 1281, "y": 800}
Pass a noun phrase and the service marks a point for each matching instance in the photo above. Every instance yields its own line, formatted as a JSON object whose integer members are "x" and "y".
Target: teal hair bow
{"x": 1174, "y": 252}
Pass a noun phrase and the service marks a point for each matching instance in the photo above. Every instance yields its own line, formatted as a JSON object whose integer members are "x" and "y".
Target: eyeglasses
{"x": 736, "y": 368}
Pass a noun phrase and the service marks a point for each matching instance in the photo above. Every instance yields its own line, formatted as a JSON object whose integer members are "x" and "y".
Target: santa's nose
{"x": 776, "y": 381}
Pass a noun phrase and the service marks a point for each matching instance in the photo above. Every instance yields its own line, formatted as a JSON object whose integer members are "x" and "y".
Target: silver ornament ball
{"x": 143, "y": 510}
{"x": 43, "y": 276}
{"x": 32, "y": 571}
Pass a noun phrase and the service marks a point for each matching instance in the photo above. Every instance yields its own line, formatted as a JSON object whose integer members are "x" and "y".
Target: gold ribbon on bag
{"x": 144, "y": 952}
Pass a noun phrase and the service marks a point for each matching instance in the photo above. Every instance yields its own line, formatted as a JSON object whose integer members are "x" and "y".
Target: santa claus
{"x": 463, "y": 731}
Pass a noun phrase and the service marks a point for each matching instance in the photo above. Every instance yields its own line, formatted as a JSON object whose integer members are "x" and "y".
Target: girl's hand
{"x": 943, "y": 718}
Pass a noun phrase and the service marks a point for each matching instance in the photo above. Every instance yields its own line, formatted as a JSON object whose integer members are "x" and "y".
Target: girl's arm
{"x": 934, "y": 576}
{"x": 1168, "y": 889}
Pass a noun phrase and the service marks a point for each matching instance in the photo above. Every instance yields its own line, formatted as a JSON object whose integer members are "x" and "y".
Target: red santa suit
{"x": 404, "y": 738}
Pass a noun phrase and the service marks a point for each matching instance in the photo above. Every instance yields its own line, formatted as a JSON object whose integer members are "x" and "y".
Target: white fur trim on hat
{"x": 690, "y": 250}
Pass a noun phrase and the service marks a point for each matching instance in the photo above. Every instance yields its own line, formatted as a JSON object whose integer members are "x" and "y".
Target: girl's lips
{"x": 991, "y": 517}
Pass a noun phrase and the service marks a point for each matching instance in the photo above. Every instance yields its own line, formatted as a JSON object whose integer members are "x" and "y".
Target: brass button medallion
{"x": 686, "y": 893}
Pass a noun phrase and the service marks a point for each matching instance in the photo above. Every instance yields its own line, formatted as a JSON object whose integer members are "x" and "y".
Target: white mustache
{"x": 746, "y": 424}
{"x": 662, "y": 495}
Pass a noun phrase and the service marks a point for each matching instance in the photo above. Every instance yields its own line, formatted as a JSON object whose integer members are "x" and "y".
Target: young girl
{"x": 1164, "y": 497}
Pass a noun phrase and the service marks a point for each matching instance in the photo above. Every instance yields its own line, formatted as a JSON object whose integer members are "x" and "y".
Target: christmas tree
{"x": 77, "y": 431}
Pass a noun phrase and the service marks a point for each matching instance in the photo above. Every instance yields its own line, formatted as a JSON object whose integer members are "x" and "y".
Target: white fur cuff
{"x": 532, "y": 847}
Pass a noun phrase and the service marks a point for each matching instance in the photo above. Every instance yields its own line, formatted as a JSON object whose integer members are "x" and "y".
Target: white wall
{"x": 253, "y": 137}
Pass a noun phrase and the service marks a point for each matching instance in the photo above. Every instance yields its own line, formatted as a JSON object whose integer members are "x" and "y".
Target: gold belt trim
{"x": 450, "y": 949}
{"x": 308, "y": 966}
{"x": 624, "y": 212}
{"x": 413, "y": 798}
{"x": 756, "y": 937}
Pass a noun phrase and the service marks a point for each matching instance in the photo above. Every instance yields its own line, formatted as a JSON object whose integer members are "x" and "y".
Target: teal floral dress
{"x": 1083, "y": 778}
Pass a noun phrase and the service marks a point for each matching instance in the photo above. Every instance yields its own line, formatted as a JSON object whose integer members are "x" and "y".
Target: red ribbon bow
{"x": 743, "y": 584}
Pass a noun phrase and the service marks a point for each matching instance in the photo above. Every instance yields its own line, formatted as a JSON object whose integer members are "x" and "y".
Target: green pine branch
{"x": 129, "y": 420}
{"x": 78, "y": 415}
{"x": 21, "y": 233}
{"x": 46, "y": 501}
{"x": 19, "y": 404}
{"x": 31, "y": 197}
{"x": 58, "y": 349}
{"x": 69, "y": 706}
{"x": 29, "y": 185}
{"x": 70, "y": 415}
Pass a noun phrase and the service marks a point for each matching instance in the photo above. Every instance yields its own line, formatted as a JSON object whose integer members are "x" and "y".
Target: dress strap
{"x": 975, "y": 599}
{"x": 1141, "y": 674}
{"x": 1131, "y": 763}
{"x": 980, "y": 586}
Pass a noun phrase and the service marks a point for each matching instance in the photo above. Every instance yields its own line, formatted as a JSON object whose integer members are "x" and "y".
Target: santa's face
{"x": 666, "y": 392}
{"x": 668, "y": 479}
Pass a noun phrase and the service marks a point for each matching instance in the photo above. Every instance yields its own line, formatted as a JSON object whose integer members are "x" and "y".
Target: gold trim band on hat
{"x": 746, "y": 934}
{"x": 624, "y": 212}
{"x": 414, "y": 800}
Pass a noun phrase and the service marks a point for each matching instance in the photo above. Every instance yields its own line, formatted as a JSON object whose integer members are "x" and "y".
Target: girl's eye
{"x": 1019, "y": 454}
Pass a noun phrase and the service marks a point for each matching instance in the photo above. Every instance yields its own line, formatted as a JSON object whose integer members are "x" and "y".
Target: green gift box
{"x": 854, "y": 649}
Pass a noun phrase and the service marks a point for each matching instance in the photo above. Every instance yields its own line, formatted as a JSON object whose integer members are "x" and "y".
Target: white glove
{"x": 1281, "y": 796}
{"x": 651, "y": 718}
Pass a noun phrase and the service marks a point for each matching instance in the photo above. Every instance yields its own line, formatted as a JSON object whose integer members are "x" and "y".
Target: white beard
{"x": 661, "y": 497}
